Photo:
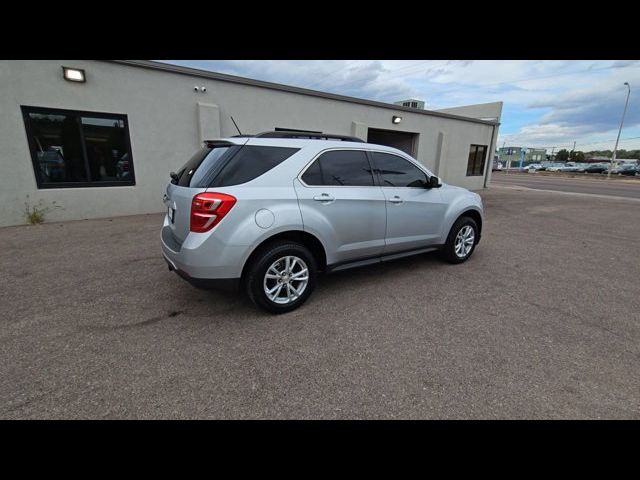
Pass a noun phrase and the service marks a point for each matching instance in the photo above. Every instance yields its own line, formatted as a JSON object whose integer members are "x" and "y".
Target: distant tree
{"x": 576, "y": 156}
{"x": 622, "y": 154}
{"x": 629, "y": 154}
{"x": 600, "y": 153}
{"x": 562, "y": 155}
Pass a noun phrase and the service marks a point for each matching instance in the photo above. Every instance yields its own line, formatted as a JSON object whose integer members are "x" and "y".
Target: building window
{"x": 78, "y": 149}
{"x": 414, "y": 104}
{"x": 477, "y": 156}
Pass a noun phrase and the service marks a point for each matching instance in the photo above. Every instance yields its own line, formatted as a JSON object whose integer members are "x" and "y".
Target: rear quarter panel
{"x": 259, "y": 213}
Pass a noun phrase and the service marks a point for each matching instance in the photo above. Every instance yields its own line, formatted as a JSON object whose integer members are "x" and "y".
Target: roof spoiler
{"x": 219, "y": 143}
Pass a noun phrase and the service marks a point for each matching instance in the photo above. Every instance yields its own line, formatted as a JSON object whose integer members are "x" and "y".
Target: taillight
{"x": 207, "y": 209}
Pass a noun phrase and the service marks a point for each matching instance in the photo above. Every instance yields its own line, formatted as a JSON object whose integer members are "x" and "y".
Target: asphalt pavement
{"x": 542, "y": 322}
{"x": 627, "y": 187}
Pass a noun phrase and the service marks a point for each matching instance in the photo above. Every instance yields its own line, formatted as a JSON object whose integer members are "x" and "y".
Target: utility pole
{"x": 613, "y": 158}
{"x": 523, "y": 152}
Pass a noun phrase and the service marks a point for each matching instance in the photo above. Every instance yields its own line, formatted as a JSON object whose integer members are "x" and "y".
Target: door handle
{"x": 325, "y": 197}
{"x": 396, "y": 199}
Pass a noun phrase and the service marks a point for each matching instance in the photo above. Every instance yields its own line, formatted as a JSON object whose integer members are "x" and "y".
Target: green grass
{"x": 35, "y": 214}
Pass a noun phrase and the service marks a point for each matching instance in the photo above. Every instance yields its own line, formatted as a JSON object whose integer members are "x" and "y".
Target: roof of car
{"x": 301, "y": 143}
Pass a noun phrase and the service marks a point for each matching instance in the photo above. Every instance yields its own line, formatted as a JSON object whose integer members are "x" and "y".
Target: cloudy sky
{"x": 546, "y": 103}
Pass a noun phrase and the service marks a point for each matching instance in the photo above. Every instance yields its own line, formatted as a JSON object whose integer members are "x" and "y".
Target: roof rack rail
{"x": 312, "y": 136}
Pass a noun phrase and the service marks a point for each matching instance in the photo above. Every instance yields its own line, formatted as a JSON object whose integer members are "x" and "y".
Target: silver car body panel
{"x": 352, "y": 223}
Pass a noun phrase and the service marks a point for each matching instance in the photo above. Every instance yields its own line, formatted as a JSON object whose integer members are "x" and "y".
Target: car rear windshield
{"x": 249, "y": 163}
{"x": 203, "y": 163}
{"x": 224, "y": 166}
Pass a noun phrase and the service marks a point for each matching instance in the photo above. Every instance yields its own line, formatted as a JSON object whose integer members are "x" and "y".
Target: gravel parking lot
{"x": 542, "y": 322}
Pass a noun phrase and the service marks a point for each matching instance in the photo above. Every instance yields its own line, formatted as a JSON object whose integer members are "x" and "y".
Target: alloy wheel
{"x": 286, "y": 279}
{"x": 464, "y": 241}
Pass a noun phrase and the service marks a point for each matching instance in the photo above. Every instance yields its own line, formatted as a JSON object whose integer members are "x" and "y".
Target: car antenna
{"x": 234, "y": 122}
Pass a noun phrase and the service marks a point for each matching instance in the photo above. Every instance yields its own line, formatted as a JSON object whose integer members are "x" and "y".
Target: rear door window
{"x": 340, "y": 168}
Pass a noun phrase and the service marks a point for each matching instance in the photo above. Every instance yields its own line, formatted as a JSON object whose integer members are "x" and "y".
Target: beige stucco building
{"x": 105, "y": 146}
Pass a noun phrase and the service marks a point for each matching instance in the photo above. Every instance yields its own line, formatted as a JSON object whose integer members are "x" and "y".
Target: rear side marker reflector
{"x": 208, "y": 209}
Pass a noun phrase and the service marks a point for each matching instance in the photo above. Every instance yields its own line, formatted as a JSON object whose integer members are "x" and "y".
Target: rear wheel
{"x": 281, "y": 277}
{"x": 461, "y": 241}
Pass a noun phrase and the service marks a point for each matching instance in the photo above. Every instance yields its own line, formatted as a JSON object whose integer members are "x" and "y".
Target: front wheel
{"x": 281, "y": 277}
{"x": 461, "y": 241}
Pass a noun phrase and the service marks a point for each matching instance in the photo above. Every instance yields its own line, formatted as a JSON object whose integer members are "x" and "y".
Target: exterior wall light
{"x": 396, "y": 120}
{"x": 74, "y": 74}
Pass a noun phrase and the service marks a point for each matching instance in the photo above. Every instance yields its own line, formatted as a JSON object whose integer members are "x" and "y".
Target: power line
{"x": 608, "y": 141}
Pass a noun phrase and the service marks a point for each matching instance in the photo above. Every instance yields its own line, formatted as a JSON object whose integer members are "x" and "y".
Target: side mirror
{"x": 433, "y": 182}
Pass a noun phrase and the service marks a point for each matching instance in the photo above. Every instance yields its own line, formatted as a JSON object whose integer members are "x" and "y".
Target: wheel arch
{"x": 307, "y": 239}
{"x": 467, "y": 212}
{"x": 475, "y": 215}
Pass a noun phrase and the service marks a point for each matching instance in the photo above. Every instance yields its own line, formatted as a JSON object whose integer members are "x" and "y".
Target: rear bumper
{"x": 226, "y": 284}
{"x": 204, "y": 261}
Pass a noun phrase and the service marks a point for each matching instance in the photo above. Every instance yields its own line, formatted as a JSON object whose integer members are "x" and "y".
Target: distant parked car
{"x": 629, "y": 170}
{"x": 569, "y": 167}
{"x": 497, "y": 167}
{"x": 618, "y": 169}
{"x": 596, "y": 168}
{"x": 534, "y": 167}
{"x": 554, "y": 167}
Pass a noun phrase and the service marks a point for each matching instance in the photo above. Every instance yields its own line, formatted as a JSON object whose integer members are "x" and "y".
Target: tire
{"x": 262, "y": 264}
{"x": 448, "y": 252}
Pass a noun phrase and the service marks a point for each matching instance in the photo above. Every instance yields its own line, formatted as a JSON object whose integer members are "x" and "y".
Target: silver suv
{"x": 269, "y": 212}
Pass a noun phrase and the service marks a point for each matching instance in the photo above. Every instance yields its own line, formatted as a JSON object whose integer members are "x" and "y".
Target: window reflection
{"x": 80, "y": 149}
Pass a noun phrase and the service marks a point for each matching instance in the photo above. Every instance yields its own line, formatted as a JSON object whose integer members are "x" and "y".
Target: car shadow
{"x": 357, "y": 276}
{"x": 198, "y": 303}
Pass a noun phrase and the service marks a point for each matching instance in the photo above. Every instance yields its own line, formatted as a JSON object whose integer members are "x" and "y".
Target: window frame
{"x": 339, "y": 149}
{"x": 27, "y": 109}
{"x": 376, "y": 177}
{"x": 484, "y": 160}
{"x": 411, "y": 161}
